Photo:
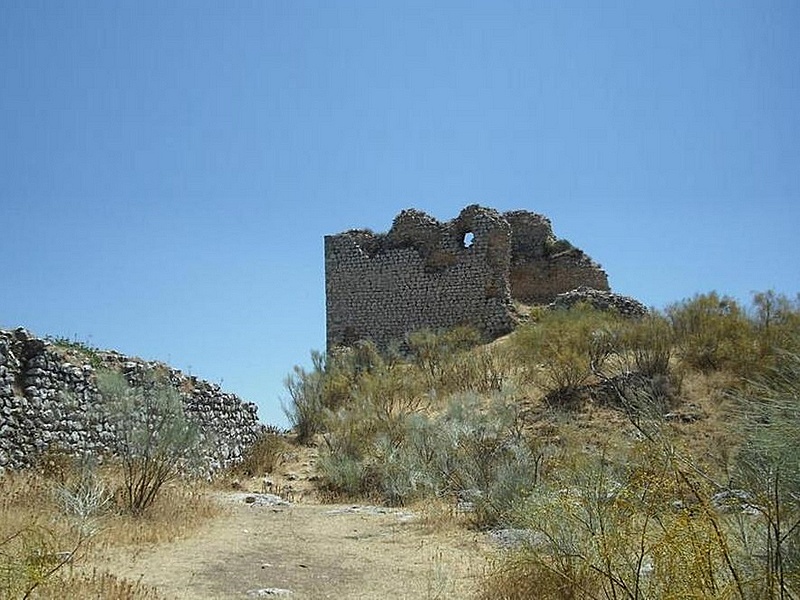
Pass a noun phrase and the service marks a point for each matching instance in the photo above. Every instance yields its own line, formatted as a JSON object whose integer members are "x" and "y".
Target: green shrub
{"x": 777, "y": 322}
{"x": 36, "y": 555}
{"x": 652, "y": 522}
{"x": 767, "y": 467}
{"x": 88, "y": 352}
{"x": 714, "y": 333}
{"x": 554, "y": 246}
{"x": 437, "y": 355}
{"x": 306, "y": 409}
{"x": 364, "y": 446}
{"x": 156, "y": 441}
{"x": 28, "y": 558}
{"x": 560, "y": 349}
{"x": 634, "y": 528}
{"x": 630, "y": 360}
{"x": 648, "y": 343}
{"x": 263, "y": 456}
{"x": 470, "y": 452}
{"x": 337, "y": 380}
{"x": 482, "y": 370}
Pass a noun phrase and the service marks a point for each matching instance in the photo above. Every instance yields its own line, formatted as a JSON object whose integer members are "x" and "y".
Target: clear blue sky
{"x": 168, "y": 169}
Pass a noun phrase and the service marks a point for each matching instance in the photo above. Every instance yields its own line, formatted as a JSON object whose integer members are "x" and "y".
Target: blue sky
{"x": 168, "y": 169}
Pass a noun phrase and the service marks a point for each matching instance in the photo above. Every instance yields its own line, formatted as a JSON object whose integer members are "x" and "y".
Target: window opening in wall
{"x": 469, "y": 239}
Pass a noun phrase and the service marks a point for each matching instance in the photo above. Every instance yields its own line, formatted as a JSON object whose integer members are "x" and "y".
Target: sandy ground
{"x": 310, "y": 551}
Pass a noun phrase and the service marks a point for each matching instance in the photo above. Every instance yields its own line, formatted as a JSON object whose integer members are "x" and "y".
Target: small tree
{"x": 306, "y": 410}
{"x": 156, "y": 440}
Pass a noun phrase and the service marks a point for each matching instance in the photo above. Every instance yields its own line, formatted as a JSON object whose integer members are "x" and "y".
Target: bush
{"x": 713, "y": 333}
{"x": 631, "y": 360}
{"x": 306, "y": 409}
{"x": 332, "y": 383}
{"x": 767, "y": 468}
{"x": 652, "y": 523}
{"x": 471, "y": 453}
{"x": 435, "y": 353}
{"x": 639, "y": 528}
{"x": 777, "y": 321}
{"x": 647, "y": 343}
{"x": 263, "y": 456}
{"x": 558, "y": 350}
{"x": 156, "y": 441}
{"x": 28, "y": 558}
{"x": 35, "y": 555}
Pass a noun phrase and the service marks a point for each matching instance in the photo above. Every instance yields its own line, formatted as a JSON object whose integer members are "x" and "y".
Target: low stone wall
{"x": 49, "y": 400}
{"x": 601, "y": 300}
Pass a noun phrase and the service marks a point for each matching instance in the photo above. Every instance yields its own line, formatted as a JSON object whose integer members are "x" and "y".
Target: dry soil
{"x": 309, "y": 551}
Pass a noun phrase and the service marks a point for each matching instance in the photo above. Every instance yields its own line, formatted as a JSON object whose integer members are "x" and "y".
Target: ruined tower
{"x": 424, "y": 274}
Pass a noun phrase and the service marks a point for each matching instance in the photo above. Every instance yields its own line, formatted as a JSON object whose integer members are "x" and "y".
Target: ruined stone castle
{"x": 424, "y": 274}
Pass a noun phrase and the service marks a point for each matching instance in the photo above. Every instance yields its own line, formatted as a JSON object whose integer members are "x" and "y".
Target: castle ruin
{"x": 424, "y": 274}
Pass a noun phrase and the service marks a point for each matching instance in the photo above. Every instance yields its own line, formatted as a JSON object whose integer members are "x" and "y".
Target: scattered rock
{"x": 511, "y": 538}
{"x": 269, "y": 593}
{"x": 727, "y": 501}
{"x": 257, "y": 499}
{"x": 689, "y": 414}
{"x": 374, "y": 511}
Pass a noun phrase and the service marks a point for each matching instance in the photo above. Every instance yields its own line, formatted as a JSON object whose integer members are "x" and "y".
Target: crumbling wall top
{"x": 477, "y": 229}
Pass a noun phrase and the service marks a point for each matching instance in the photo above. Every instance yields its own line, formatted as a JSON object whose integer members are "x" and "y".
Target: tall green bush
{"x": 777, "y": 321}
{"x": 639, "y": 528}
{"x": 156, "y": 440}
{"x": 472, "y": 452}
{"x": 436, "y": 353}
{"x": 713, "y": 332}
{"x": 306, "y": 407}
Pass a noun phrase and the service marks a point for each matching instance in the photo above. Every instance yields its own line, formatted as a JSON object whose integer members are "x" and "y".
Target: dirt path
{"x": 310, "y": 551}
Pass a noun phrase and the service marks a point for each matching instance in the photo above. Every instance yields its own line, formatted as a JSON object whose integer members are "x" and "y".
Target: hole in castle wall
{"x": 469, "y": 239}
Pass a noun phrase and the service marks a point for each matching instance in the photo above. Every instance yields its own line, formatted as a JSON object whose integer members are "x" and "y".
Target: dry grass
{"x": 96, "y": 586}
{"x": 264, "y": 456}
{"x": 438, "y": 516}
{"x": 46, "y": 552}
{"x": 182, "y": 508}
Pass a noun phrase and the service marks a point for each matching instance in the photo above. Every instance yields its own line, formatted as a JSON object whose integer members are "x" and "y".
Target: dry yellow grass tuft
{"x": 48, "y": 541}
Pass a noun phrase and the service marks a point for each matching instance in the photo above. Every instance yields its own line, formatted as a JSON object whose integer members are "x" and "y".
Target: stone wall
{"x": 426, "y": 274}
{"x": 49, "y": 400}
{"x": 601, "y": 300}
{"x": 421, "y": 274}
{"x": 543, "y": 266}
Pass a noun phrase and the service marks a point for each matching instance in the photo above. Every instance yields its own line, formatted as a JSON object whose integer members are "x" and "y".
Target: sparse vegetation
{"x": 85, "y": 350}
{"x": 650, "y": 458}
{"x": 53, "y": 523}
{"x": 644, "y": 511}
{"x": 263, "y": 456}
{"x": 156, "y": 441}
